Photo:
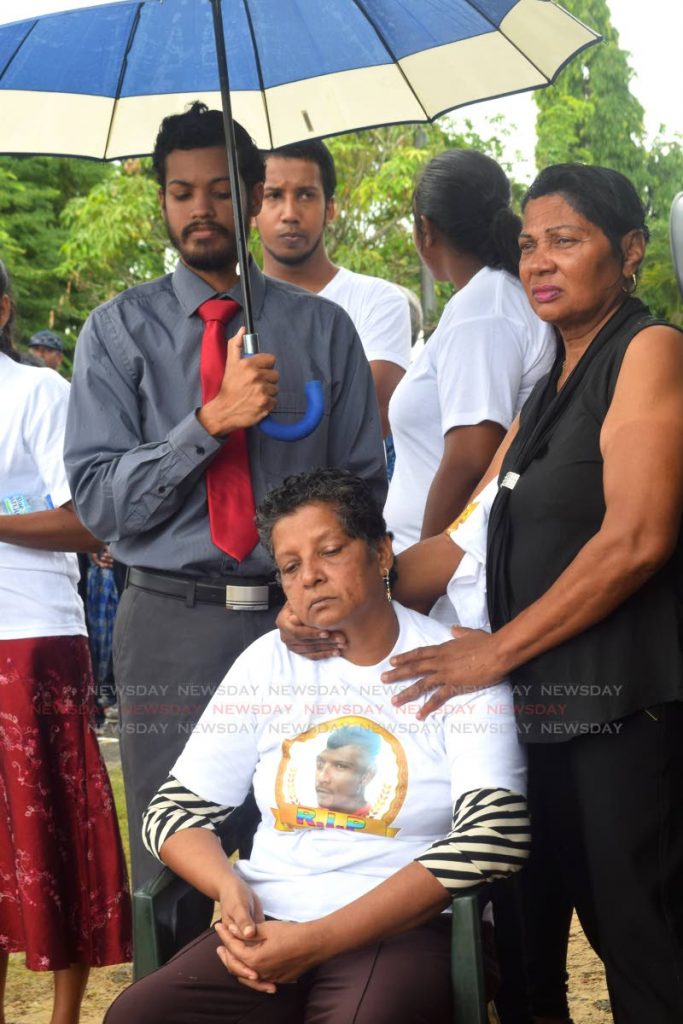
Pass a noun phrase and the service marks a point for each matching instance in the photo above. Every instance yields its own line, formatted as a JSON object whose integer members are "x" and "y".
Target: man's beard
{"x": 221, "y": 253}
{"x": 294, "y": 259}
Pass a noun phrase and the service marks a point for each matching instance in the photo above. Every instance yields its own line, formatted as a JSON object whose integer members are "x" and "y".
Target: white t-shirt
{"x": 379, "y": 311}
{"x": 38, "y": 589}
{"x": 338, "y": 816}
{"x": 481, "y": 363}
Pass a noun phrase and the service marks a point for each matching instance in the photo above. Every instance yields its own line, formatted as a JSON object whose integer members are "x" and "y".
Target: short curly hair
{"x": 199, "y": 128}
{"x": 350, "y": 497}
{"x": 316, "y": 152}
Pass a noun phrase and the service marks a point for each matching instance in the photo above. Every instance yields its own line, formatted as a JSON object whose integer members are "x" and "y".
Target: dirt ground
{"x": 587, "y": 989}
{"x": 29, "y": 994}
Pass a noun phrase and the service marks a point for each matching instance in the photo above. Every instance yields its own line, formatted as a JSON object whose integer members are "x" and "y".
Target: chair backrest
{"x": 676, "y": 226}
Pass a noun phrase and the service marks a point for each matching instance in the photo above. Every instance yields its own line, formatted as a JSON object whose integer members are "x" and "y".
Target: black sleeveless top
{"x": 632, "y": 659}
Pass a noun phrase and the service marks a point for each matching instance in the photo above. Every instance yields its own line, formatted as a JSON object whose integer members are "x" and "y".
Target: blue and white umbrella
{"x": 95, "y": 77}
{"x": 98, "y": 80}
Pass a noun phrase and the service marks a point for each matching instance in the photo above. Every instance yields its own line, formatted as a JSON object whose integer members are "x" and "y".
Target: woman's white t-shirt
{"x": 288, "y": 724}
{"x": 38, "y": 589}
{"x": 481, "y": 362}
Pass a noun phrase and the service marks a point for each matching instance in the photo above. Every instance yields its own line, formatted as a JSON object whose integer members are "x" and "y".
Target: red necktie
{"x": 228, "y": 479}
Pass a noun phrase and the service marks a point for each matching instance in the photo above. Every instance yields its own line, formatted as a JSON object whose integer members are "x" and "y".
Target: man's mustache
{"x": 201, "y": 226}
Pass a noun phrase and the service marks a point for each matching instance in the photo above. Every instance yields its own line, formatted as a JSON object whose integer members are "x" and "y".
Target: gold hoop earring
{"x": 387, "y": 584}
{"x": 630, "y": 284}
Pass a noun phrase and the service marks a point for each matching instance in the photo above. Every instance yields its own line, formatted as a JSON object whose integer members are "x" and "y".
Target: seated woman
{"x": 353, "y": 862}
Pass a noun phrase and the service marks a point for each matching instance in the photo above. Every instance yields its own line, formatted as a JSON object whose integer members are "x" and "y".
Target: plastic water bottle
{"x": 20, "y": 504}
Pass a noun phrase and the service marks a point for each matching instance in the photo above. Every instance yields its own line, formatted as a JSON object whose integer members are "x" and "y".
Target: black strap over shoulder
{"x": 539, "y": 418}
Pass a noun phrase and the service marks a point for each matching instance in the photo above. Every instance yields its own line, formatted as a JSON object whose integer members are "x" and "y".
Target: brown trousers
{"x": 402, "y": 980}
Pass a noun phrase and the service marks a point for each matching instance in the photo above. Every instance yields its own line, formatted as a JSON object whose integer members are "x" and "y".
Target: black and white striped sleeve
{"x": 174, "y": 808}
{"x": 490, "y": 838}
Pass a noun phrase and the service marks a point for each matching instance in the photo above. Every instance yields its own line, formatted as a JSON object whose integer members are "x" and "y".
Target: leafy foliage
{"x": 377, "y": 169}
{"x": 75, "y": 232}
{"x": 591, "y": 116}
{"x": 33, "y": 193}
{"x": 115, "y": 238}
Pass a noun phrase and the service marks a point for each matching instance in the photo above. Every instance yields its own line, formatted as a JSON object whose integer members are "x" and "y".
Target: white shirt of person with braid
{"x": 372, "y": 818}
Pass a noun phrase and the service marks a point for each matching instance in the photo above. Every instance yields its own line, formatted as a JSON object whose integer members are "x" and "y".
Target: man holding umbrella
{"x": 166, "y": 461}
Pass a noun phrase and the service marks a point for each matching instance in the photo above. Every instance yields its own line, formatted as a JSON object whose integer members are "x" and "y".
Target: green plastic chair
{"x": 155, "y": 937}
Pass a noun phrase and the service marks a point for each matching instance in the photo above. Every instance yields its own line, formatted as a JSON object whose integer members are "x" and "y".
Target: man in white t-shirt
{"x": 298, "y": 204}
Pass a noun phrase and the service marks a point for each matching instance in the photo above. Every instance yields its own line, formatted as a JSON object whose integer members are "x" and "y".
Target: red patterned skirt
{"x": 64, "y": 894}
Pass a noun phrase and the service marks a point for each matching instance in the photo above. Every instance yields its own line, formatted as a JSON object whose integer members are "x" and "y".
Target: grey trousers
{"x": 168, "y": 660}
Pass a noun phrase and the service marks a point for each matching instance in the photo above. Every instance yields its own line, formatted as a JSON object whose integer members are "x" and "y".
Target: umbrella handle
{"x": 315, "y": 405}
{"x": 315, "y": 408}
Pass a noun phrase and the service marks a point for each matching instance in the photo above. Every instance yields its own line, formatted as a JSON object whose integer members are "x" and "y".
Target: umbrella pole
{"x": 251, "y": 345}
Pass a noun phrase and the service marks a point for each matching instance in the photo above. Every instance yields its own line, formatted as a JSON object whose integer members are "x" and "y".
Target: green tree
{"x": 377, "y": 169}
{"x": 590, "y": 115}
{"x": 112, "y": 236}
{"x": 115, "y": 238}
{"x": 664, "y": 175}
{"x": 33, "y": 193}
{"x": 10, "y": 250}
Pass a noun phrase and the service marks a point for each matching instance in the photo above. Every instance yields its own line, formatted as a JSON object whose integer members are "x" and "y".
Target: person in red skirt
{"x": 64, "y": 896}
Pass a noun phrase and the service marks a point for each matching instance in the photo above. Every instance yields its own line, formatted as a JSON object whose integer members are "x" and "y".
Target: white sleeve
{"x": 385, "y": 327}
{"x": 480, "y": 734}
{"x": 479, "y": 368}
{"x": 467, "y": 587}
{"x": 220, "y": 757}
{"x": 44, "y": 425}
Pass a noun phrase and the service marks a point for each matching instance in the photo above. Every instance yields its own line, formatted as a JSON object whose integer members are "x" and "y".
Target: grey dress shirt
{"x": 135, "y": 451}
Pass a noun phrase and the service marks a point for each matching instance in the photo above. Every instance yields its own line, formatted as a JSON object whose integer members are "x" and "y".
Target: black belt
{"x": 236, "y": 593}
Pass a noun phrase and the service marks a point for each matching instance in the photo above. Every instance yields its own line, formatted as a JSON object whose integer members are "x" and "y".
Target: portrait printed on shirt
{"x": 346, "y": 774}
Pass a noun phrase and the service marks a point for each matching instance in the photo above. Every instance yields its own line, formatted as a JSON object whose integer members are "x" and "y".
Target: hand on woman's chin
{"x": 309, "y": 640}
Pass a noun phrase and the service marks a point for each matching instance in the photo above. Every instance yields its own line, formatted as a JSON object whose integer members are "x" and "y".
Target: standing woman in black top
{"x": 585, "y": 588}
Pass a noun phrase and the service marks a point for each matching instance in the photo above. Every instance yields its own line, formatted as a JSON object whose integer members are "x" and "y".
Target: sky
{"x": 655, "y": 43}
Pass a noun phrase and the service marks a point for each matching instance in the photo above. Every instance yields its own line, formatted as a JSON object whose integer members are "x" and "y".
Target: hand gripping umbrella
{"x": 95, "y": 77}
{"x": 315, "y": 396}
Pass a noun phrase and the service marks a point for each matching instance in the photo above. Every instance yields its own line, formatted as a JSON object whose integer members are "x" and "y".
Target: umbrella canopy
{"x": 98, "y": 80}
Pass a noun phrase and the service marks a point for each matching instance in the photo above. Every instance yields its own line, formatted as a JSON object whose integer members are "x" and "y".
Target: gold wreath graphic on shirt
{"x": 380, "y": 758}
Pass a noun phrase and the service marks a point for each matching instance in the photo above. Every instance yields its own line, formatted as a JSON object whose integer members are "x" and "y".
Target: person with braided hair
{"x": 451, "y": 410}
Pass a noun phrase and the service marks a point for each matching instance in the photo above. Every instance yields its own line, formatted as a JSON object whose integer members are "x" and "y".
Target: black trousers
{"x": 607, "y": 811}
{"x": 168, "y": 660}
{"x": 402, "y": 980}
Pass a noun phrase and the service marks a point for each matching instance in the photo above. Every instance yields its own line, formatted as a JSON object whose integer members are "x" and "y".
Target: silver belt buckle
{"x": 246, "y": 599}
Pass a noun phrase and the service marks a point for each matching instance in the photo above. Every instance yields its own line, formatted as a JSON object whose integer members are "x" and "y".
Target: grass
{"x": 116, "y": 779}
